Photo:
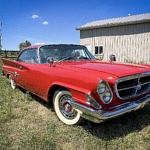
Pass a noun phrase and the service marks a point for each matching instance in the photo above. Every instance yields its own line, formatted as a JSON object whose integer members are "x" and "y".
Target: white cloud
{"x": 45, "y": 22}
{"x": 35, "y": 16}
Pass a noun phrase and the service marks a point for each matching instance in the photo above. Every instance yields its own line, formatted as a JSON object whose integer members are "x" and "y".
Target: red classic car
{"x": 79, "y": 85}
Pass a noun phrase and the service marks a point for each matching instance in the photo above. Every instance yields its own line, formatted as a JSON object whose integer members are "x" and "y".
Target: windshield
{"x": 64, "y": 52}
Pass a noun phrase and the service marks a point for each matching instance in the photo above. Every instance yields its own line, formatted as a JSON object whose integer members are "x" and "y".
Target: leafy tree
{"x": 24, "y": 45}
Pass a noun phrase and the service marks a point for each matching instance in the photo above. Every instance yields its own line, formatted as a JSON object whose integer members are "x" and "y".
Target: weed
{"x": 28, "y": 123}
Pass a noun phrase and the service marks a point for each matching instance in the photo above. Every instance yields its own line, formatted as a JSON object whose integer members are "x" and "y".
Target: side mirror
{"x": 112, "y": 58}
{"x": 50, "y": 60}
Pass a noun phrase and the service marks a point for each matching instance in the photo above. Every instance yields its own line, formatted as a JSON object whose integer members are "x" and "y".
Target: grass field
{"x": 28, "y": 123}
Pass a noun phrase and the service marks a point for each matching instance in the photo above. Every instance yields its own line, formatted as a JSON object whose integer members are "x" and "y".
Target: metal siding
{"x": 128, "y": 43}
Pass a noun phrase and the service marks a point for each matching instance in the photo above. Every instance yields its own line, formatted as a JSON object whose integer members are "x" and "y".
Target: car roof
{"x": 32, "y": 47}
{"x": 37, "y": 46}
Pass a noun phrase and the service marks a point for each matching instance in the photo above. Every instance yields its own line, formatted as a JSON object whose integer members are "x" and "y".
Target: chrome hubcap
{"x": 66, "y": 108}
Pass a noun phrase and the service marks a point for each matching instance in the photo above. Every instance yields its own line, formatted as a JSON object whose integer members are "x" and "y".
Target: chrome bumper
{"x": 101, "y": 115}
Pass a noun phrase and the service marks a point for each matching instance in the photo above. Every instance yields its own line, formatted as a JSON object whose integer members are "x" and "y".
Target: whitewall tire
{"x": 64, "y": 110}
{"x": 12, "y": 82}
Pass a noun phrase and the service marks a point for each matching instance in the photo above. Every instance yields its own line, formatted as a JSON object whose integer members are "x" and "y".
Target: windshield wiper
{"x": 67, "y": 58}
{"x": 85, "y": 58}
{"x": 73, "y": 58}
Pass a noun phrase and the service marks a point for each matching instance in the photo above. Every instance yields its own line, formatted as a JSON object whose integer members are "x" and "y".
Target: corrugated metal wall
{"x": 129, "y": 43}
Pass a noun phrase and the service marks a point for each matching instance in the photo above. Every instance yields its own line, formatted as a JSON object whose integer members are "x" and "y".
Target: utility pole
{"x": 0, "y": 36}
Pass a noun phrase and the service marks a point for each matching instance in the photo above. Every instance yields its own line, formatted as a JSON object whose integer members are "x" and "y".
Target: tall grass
{"x": 28, "y": 123}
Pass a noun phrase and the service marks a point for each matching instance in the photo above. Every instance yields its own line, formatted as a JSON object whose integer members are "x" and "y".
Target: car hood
{"x": 113, "y": 68}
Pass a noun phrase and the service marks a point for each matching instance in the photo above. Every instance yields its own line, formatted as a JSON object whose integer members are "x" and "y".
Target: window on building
{"x": 98, "y": 50}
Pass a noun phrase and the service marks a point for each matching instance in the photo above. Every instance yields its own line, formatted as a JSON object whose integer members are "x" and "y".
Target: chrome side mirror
{"x": 50, "y": 60}
{"x": 112, "y": 58}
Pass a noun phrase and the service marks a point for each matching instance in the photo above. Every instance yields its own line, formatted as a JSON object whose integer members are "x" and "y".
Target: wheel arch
{"x": 53, "y": 89}
{"x": 77, "y": 93}
{"x": 7, "y": 75}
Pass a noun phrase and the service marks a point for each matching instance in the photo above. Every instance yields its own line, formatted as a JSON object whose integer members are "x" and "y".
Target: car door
{"x": 27, "y": 62}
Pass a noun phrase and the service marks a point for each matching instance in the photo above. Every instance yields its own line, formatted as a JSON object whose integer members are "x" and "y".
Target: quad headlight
{"x": 104, "y": 91}
{"x": 102, "y": 88}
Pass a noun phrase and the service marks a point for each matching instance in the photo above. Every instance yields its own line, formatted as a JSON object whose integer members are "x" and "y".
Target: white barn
{"x": 126, "y": 37}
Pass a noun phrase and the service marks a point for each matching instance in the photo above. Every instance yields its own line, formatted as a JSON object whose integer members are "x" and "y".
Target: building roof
{"x": 116, "y": 21}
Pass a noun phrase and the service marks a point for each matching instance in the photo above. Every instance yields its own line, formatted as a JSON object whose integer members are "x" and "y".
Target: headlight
{"x": 107, "y": 97}
{"x": 104, "y": 92}
{"x": 101, "y": 88}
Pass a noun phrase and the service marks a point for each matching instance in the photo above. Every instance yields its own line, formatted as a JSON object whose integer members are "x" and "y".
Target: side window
{"x": 22, "y": 56}
{"x": 29, "y": 56}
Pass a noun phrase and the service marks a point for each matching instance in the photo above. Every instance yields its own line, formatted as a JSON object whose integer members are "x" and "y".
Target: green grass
{"x": 28, "y": 123}
{"x": 10, "y": 54}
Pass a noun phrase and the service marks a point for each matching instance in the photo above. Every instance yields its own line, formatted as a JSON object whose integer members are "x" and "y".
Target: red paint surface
{"x": 79, "y": 77}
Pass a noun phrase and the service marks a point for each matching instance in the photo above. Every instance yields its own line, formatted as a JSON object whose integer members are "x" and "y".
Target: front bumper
{"x": 101, "y": 115}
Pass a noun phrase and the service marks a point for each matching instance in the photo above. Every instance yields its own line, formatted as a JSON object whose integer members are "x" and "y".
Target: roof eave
{"x": 112, "y": 25}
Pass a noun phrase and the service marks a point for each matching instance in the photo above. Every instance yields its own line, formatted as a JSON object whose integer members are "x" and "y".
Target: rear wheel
{"x": 12, "y": 82}
{"x": 63, "y": 108}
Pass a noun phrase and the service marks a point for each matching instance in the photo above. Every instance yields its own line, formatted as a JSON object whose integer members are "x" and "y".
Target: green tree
{"x": 24, "y": 45}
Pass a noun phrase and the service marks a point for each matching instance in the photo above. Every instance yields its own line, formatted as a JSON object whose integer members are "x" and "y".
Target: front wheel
{"x": 64, "y": 110}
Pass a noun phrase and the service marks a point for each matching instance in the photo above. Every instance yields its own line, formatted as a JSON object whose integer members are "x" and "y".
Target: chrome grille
{"x": 132, "y": 86}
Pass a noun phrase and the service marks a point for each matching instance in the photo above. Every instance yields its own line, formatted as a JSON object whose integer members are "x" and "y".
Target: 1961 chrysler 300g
{"x": 79, "y": 85}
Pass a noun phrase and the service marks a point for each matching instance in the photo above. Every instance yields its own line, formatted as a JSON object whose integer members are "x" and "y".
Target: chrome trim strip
{"x": 131, "y": 87}
{"x": 105, "y": 114}
{"x": 134, "y": 76}
{"x": 14, "y": 73}
{"x": 8, "y": 71}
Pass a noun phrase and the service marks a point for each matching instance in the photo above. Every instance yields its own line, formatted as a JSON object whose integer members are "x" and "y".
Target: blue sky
{"x": 55, "y": 21}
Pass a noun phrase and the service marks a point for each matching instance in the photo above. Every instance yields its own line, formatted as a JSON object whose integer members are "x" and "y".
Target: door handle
{"x": 20, "y": 67}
